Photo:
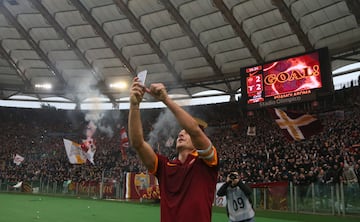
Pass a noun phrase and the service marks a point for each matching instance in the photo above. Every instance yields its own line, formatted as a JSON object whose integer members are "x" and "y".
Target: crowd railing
{"x": 317, "y": 198}
{"x": 321, "y": 198}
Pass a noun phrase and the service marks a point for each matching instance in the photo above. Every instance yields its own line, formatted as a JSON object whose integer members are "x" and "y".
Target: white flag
{"x": 251, "y": 131}
{"x": 18, "y": 159}
{"x": 18, "y": 185}
{"x": 74, "y": 152}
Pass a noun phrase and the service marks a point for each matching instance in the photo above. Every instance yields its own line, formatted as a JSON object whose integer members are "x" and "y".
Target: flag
{"x": 251, "y": 131}
{"x": 18, "y": 185}
{"x": 74, "y": 152}
{"x": 18, "y": 159}
{"x": 124, "y": 142}
{"x": 297, "y": 126}
{"x": 88, "y": 146}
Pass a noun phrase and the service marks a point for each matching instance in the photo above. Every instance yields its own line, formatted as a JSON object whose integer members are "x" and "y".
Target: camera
{"x": 233, "y": 176}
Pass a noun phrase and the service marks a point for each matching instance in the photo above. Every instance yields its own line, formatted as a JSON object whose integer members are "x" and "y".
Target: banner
{"x": 276, "y": 193}
{"x": 92, "y": 188}
{"x": 220, "y": 201}
{"x": 141, "y": 186}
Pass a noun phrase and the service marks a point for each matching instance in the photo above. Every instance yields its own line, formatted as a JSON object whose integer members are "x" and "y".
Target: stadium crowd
{"x": 37, "y": 135}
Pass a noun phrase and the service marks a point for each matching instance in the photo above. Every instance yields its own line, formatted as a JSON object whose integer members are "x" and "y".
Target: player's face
{"x": 183, "y": 141}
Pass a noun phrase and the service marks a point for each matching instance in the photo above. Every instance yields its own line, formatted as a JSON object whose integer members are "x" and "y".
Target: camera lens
{"x": 232, "y": 176}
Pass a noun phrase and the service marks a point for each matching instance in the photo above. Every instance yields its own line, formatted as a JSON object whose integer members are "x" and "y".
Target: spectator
{"x": 350, "y": 183}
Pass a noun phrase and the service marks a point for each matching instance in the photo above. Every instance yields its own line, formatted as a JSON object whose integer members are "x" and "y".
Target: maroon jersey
{"x": 187, "y": 189}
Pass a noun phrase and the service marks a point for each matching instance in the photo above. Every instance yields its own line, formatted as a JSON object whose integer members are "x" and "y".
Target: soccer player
{"x": 238, "y": 199}
{"x": 187, "y": 183}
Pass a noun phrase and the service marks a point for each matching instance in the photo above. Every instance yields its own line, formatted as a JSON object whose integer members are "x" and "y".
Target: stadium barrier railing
{"x": 321, "y": 198}
{"x": 317, "y": 198}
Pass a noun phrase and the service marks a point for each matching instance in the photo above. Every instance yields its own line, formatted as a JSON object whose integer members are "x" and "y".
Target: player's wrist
{"x": 163, "y": 95}
{"x": 134, "y": 106}
{"x": 166, "y": 99}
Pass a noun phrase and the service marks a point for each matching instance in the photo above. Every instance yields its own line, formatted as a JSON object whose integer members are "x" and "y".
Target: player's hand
{"x": 158, "y": 91}
{"x": 137, "y": 91}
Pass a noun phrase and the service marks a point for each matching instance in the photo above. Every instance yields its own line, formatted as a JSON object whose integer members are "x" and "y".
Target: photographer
{"x": 238, "y": 197}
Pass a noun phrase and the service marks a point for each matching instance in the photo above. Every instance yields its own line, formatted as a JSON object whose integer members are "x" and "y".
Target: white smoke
{"x": 95, "y": 116}
{"x": 85, "y": 89}
{"x": 165, "y": 126}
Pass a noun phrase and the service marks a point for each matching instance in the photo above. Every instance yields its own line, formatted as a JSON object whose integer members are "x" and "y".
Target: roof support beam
{"x": 25, "y": 35}
{"x": 354, "y": 7}
{"x": 176, "y": 15}
{"x": 349, "y": 52}
{"x": 294, "y": 25}
{"x": 52, "y": 21}
{"x": 345, "y": 59}
{"x": 201, "y": 82}
{"x": 100, "y": 31}
{"x": 132, "y": 18}
{"x": 353, "y": 47}
{"x": 238, "y": 30}
{"x": 20, "y": 73}
{"x": 346, "y": 55}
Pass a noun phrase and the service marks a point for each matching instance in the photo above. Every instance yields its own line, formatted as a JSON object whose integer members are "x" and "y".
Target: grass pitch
{"x": 29, "y": 207}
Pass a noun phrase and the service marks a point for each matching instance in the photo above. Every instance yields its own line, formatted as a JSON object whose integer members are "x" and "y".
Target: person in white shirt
{"x": 350, "y": 182}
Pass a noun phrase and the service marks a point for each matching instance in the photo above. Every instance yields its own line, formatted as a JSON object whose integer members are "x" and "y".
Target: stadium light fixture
{"x": 43, "y": 86}
{"x": 119, "y": 85}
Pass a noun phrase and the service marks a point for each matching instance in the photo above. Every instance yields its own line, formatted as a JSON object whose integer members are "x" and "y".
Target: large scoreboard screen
{"x": 289, "y": 80}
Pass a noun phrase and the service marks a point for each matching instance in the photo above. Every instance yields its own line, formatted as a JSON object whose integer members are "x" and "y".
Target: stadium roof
{"x": 80, "y": 47}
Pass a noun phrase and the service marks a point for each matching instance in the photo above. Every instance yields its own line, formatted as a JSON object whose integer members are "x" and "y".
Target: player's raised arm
{"x": 186, "y": 121}
{"x": 136, "y": 136}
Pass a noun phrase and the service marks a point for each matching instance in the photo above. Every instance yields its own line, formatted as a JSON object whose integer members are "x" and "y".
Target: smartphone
{"x": 142, "y": 76}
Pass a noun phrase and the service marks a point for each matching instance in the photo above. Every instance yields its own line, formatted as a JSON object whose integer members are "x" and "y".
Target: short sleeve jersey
{"x": 186, "y": 189}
